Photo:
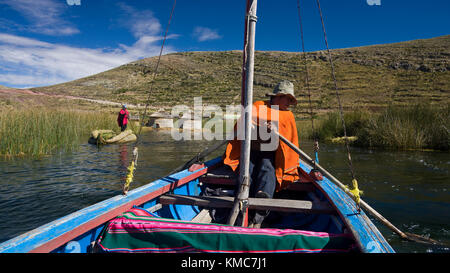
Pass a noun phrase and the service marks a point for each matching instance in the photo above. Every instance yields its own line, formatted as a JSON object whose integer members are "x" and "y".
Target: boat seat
{"x": 283, "y": 205}
{"x": 223, "y": 175}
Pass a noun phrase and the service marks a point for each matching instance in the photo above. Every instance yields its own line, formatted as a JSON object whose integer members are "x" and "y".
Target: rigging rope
{"x": 156, "y": 68}
{"x": 316, "y": 142}
{"x": 356, "y": 192}
{"x": 133, "y": 163}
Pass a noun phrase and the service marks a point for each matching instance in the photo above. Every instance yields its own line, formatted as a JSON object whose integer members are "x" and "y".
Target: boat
{"x": 319, "y": 208}
{"x": 183, "y": 212}
{"x": 110, "y": 137}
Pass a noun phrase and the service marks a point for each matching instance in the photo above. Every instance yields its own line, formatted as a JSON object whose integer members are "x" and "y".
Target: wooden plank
{"x": 202, "y": 217}
{"x": 284, "y": 205}
{"x": 155, "y": 208}
{"x": 218, "y": 181}
{"x": 227, "y": 181}
{"x": 222, "y": 175}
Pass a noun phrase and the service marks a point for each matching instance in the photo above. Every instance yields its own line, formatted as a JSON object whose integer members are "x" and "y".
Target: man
{"x": 122, "y": 119}
{"x": 271, "y": 169}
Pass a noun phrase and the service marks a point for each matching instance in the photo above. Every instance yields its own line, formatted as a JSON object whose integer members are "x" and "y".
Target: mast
{"x": 241, "y": 199}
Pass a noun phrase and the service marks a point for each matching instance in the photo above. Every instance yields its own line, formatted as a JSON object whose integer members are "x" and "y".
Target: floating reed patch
{"x": 42, "y": 131}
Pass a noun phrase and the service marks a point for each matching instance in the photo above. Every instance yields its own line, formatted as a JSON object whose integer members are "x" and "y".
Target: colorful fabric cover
{"x": 137, "y": 230}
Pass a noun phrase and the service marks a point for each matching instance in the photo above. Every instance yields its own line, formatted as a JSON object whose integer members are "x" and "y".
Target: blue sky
{"x": 45, "y": 42}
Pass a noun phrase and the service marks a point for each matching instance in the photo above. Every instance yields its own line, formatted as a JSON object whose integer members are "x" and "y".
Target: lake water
{"x": 411, "y": 188}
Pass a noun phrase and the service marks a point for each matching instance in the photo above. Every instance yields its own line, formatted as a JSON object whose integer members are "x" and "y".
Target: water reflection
{"x": 408, "y": 188}
{"x": 123, "y": 157}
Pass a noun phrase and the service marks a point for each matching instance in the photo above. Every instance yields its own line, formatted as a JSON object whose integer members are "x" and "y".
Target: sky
{"x": 45, "y": 42}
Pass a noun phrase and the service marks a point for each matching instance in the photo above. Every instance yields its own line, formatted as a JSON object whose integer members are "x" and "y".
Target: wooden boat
{"x": 178, "y": 213}
{"x": 319, "y": 207}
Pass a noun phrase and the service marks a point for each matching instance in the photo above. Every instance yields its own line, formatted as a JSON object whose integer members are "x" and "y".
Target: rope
{"x": 316, "y": 142}
{"x": 156, "y": 69}
{"x": 130, "y": 171}
{"x": 357, "y": 192}
{"x": 133, "y": 163}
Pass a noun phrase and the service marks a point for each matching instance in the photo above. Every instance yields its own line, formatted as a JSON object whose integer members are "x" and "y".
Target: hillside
{"x": 370, "y": 77}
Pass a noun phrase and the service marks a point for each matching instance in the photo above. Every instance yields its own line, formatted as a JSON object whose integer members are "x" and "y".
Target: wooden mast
{"x": 241, "y": 199}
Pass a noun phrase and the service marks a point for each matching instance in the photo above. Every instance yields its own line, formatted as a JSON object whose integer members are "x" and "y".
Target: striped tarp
{"x": 137, "y": 230}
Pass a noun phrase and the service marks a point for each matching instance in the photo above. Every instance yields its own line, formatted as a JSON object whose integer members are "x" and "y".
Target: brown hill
{"x": 370, "y": 77}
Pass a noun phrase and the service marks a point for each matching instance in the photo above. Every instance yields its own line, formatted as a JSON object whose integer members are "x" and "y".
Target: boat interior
{"x": 195, "y": 216}
{"x": 301, "y": 206}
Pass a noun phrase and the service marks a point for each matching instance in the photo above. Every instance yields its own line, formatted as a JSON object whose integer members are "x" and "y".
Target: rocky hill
{"x": 370, "y": 77}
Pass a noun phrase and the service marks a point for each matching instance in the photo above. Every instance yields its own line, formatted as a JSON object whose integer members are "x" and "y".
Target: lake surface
{"x": 411, "y": 189}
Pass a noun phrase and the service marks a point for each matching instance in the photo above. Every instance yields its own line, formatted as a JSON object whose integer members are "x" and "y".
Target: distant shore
{"x": 42, "y": 131}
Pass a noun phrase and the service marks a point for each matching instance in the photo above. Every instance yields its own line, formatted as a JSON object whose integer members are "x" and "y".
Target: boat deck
{"x": 301, "y": 200}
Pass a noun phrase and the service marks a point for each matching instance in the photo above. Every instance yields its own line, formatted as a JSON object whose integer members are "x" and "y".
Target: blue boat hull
{"x": 77, "y": 232}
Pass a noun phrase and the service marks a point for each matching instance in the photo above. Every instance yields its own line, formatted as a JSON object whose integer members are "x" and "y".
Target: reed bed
{"x": 330, "y": 126}
{"x": 416, "y": 127}
{"x": 42, "y": 131}
{"x": 421, "y": 126}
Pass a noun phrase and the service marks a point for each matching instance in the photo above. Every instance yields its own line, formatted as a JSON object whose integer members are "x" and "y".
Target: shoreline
{"x": 40, "y": 131}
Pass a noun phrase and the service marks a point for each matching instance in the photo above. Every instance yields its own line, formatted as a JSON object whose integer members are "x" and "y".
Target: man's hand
{"x": 269, "y": 126}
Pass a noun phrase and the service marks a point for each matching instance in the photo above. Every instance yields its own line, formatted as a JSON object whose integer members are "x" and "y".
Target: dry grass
{"x": 368, "y": 77}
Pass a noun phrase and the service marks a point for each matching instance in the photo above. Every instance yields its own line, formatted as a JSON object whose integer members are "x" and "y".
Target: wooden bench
{"x": 283, "y": 205}
{"x": 227, "y": 180}
{"x": 223, "y": 175}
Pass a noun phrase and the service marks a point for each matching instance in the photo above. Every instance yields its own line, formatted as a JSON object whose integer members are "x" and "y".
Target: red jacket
{"x": 122, "y": 119}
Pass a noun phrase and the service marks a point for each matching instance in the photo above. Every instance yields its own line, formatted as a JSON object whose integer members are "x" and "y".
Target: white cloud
{"x": 44, "y": 16}
{"x": 144, "y": 26}
{"x": 30, "y": 62}
{"x": 33, "y": 62}
{"x": 204, "y": 34}
{"x": 140, "y": 22}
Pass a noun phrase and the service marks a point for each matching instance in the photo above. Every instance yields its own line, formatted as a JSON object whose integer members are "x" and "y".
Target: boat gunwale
{"x": 50, "y": 236}
{"x": 356, "y": 221}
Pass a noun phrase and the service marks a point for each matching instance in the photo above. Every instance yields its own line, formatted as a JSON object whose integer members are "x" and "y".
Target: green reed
{"x": 43, "y": 131}
{"x": 421, "y": 126}
{"x": 330, "y": 126}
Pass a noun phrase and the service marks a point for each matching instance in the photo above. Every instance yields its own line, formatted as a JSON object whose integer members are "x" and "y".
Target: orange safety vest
{"x": 286, "y": 160}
